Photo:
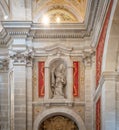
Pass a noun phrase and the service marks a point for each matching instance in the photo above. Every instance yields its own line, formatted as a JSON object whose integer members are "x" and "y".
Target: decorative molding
{"x": 58, "y": 49}
{"x": 88, "y": 57}
{"x": 35, "y": 31}
{"x": 58, "y": 123}
{"x": 59, "y": 111}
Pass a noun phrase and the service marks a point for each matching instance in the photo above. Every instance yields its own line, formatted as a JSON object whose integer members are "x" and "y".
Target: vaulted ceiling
{"x": 81, "y": 20}
{"x": 67, "y": 11}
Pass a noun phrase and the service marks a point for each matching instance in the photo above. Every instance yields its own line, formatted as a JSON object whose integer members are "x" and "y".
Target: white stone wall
{"x": 21, "y": 10}
{"x": 108, "y": 106}
{"x": 4, "y": 100}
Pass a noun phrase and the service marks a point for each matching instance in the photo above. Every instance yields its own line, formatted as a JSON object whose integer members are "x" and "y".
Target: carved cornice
{"x": 58, "y": 49}
{"x": 34, "y": 31}
{"x": 62, "y": 49}
{"x": 17, "y": 29}
{"x": 106, "y": 76}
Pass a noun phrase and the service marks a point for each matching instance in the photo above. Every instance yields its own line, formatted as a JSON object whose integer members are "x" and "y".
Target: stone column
{"x": 4, "y": 102}
{"x": 108, "y": 101}
{"x": 88, "y": 94}
{"x": 19, "y": 92}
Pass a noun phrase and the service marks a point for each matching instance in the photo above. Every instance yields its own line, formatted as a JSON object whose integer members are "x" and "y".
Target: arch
{"x": 66, "y": 59}
{"x": 59, "y": 111}
{"x": 110, "y": 55}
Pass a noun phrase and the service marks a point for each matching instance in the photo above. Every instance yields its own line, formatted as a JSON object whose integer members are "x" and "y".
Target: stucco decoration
{"x": 58, "y": 123}
{"x": 63, "y": 9}
{"x": 59, "y": 111}
{"x": 60, "y": 15}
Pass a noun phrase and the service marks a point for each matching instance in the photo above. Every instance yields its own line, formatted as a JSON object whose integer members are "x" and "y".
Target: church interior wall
{"x": 25, "y": 45}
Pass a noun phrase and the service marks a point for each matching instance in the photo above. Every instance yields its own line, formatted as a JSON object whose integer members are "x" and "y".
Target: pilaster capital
{"x": 4, "y": 64}
{"x": 88, "y": 58}
{"x": 22, "y": 56}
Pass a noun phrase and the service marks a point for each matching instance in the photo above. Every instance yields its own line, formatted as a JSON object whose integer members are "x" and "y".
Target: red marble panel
{"x": 41, "y": 79}
{"x": 98, "y": 114}
{"x": 75, "y": 78}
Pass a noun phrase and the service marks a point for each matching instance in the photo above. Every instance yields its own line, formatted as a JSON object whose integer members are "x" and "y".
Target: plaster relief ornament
{"x": 58, "y": 82}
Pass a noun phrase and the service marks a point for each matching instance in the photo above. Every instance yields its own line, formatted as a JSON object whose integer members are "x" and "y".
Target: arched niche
{"x": 51, "y": 63}
{"x": 59, "y": 111}
{"x": 58, "y": 71}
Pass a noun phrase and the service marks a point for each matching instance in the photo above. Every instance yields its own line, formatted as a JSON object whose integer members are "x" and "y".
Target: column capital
{"x": 4, "y": 64}
{"x": 88, "y": 58}
{"x": 22, "y": 57}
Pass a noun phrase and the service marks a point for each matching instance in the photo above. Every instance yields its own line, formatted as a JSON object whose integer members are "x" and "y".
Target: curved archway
{"x": 111, "y": 44}
{"x": 59, "y": 111}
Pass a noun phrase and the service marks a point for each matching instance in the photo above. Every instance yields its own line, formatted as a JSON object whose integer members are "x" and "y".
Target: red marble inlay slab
{"x": 41, "y": 76}
{"x": 76, "y": 78}
{"x": 98, "y": 114}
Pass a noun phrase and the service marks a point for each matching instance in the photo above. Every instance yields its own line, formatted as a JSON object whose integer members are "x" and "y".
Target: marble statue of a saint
{"x": 58, "y": 81}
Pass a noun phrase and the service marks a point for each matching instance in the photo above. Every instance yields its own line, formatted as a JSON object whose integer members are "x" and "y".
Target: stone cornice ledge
{"x": 19, "y": 29}
{"x": 17, "y": 24}
{"x": 106, "y": 76}
{"x": 35, "y": 30}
